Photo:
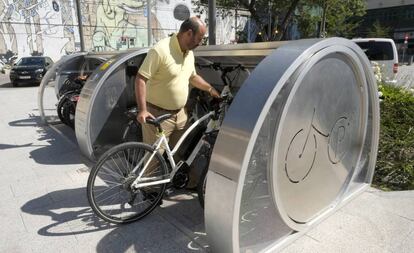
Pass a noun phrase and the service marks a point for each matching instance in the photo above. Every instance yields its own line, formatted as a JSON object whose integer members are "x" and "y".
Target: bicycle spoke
{"x": 108, "y": 183}
{"x": 108, "y": 197}
{"x": 128, "y": 161}
{"x": 111, "y": 171}
{"x": 106, "y": 190}
{"x": 123, "y": 169}
{"x": 116, "y": 164}
{"x": 140, "y": 163}
{"x": 104, "y": 173}
{"x": 110, "y": 204}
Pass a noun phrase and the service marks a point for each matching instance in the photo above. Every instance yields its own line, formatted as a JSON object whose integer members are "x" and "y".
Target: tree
{"x": 378, "y": 31}
{"x": 261, "y": 12}
{"x": 342, "y": 16}
{"x": 308, "y": 20}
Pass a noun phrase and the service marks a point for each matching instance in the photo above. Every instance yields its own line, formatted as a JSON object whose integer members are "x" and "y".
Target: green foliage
{"x": 342, "y": 17}
{"x": 308, "y": 18}
{"x": 280, "y": 11}
{"x": 395, "y": 163}
{"x": 378, "y": 31}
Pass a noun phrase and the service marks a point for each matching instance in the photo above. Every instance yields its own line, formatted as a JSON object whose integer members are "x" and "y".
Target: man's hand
{"x": 142, "y": 115}
{"x": 198, "y": 82}
{"x": 214, "y": 93}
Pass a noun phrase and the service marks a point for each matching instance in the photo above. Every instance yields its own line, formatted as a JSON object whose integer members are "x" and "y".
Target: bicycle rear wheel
{"x": 109, "y": 184}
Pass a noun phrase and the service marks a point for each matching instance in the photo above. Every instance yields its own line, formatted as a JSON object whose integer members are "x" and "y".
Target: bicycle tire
{"x": 201, "y": 187}
{"x": 121, "y": 179}
{"x": 66, "y": 86}
{"x": 202, "y": 181}
{"x": 61, "y": 102}
{"x": 67, "y": 110}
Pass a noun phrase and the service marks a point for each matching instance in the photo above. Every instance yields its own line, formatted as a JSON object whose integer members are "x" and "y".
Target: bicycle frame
{"x": 163, "y": 142}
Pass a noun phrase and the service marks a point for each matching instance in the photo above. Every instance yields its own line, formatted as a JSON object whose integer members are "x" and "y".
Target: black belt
{"x": 162, "y": 109}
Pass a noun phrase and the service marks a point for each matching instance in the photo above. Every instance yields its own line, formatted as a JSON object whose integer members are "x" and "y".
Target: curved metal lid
{"x": 300, "y": 137}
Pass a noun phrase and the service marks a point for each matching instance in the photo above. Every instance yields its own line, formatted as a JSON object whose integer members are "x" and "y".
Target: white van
{"x": 384, "y": 52}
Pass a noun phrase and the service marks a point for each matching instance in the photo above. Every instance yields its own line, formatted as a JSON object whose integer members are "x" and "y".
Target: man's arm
{"x": 198, "y": 82}
{"x": 140, "y": 96}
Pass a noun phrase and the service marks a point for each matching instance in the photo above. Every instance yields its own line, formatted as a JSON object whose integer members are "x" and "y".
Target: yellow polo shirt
{"x": 168, "y": 71}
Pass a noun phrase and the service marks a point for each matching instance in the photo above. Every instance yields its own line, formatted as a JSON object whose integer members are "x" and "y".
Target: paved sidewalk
{"x": 44, "y": 206}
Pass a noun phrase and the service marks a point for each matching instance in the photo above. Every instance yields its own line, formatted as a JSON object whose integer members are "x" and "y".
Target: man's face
{"x": 197, "y": 38}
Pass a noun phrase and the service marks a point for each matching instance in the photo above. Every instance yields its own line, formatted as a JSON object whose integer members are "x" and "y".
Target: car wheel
{"x": 14, "y": 84}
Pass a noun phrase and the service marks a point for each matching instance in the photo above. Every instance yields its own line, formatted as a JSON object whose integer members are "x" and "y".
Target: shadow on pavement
{"x": 32, "y": 121}
{"x": 20, "y": 85}
{"x": 58, "y": 149}
{"x": 75, "y": 208}
{"x": 6, "y": 85}
{"x": 157, "y": 232}
{"x": 7, "y": 146}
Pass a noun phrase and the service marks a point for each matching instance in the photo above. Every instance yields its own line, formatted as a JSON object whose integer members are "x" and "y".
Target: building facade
{"x": 398, "y": 16}
{"x": 50, "y": 27}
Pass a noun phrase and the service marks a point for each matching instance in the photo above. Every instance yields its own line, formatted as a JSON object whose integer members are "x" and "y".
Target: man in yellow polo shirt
{"x": 162, "y": 83}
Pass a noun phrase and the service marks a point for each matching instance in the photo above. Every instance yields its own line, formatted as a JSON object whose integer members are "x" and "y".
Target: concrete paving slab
{"x": 6, "y": 193}
{"x": 27, "y": 185}
{"x": 400, "y": 202}
{"x": 406, "y": 246}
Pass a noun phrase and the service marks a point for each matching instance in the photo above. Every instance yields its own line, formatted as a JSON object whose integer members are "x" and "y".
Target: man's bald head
{"x": 194, "y": 23}
{"x": 191, "y": 33}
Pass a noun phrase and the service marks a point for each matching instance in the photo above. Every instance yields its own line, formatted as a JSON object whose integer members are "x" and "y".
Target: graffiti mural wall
{"x": 50, "y": 27}
{"x": 36, "y": 26}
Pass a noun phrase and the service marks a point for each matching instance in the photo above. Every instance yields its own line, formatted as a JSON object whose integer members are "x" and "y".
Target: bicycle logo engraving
{"x": 304, "y": 152}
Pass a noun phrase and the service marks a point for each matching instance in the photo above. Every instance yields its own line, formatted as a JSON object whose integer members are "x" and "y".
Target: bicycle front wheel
{"x": 109, "y": 184}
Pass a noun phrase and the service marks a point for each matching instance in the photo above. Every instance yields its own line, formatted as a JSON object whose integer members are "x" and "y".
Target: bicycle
{"x": 119, "y": 188}
{"x": 69, "y": 96}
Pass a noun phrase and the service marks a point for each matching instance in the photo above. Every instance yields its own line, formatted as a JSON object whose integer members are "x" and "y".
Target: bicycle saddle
{"x": 157, "y": 121}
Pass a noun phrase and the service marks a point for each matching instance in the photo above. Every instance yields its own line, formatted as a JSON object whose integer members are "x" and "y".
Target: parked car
{"x": 384, "y": 52}
{"x": 30, "y": 70}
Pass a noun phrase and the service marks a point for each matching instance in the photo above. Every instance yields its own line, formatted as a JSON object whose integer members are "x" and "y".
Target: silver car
{"x": 384, "y": 52}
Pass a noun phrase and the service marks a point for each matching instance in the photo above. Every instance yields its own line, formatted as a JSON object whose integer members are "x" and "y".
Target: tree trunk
{"x": 285, "y": 22}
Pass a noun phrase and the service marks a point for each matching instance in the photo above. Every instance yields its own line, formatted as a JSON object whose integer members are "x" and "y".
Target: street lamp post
{"x": 269, "y": 25}
{"x": 80, "y": 26}
{"x": 323, "y": 23}
{"x": 211, "y": 22}
{"x": 149, "y": 22}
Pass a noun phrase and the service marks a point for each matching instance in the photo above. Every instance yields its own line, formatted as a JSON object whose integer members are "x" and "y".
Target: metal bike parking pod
{"x": 299, "y": 140}
{"x": 49, "y": 90}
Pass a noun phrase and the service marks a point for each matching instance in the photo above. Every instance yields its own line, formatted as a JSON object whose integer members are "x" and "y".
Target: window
{"x": 377, "y": 51}
{"x": 31, "y": 61}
